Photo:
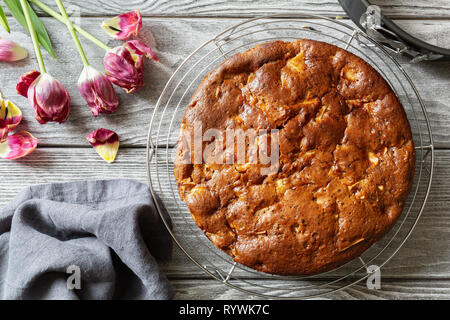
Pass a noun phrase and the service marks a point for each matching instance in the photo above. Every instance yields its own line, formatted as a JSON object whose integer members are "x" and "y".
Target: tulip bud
{"x": 105, "y": 142}
{"x": 11, "y": 51}
{"x": 98, "y": 91}
{"x": 10, "y": 117}
{"x": 47, "y": 96}
{"x": 18, "y": 145}
{"x": 124, "y": 65}
{"x": 124, "y": 26}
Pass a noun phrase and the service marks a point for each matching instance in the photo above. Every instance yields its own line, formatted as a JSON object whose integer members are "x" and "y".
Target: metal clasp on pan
{"x": 371, "y": 21}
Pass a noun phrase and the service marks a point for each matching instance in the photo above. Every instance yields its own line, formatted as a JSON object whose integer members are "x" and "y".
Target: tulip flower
{"x": 18, "y": 145}
{"x": 124, "y": 65}
{"x": 93, "y": 86}
{"x": 11, "y": 51}
{"x": 98, "y": 91}
{"x": 124, "y": 26}
{"x": 105, "y": 142}
{"x": 46, "y": 95}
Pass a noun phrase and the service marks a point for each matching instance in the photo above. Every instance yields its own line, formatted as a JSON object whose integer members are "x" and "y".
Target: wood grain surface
{"x": 420, "y": 270}
{"x": 243, "y": 8}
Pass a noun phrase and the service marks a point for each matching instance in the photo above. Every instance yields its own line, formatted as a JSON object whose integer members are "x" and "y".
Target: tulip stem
{"x": 32, "y": 31}
{"x": 60, "y": 18}
{"x": 72, "y": 32}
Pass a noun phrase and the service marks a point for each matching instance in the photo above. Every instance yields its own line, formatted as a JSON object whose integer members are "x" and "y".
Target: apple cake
{"x": 343, "y": 145}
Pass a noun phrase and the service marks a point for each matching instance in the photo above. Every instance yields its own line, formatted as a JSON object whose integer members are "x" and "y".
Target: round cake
{"x": 294, "y": 157}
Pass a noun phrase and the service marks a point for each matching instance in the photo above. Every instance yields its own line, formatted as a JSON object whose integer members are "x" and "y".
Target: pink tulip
{"x": 124, "y": 65}
{"x": 46, "y": 95}
{"x": 98, "y": 91}
{"x": 105, "y": 142}
{"x": 11, "y": 51}
{"x": 18, "y": 145}
{"x": 124, "y": 26}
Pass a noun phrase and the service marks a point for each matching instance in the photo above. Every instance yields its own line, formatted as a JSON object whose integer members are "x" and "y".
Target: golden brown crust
{"x": 346, "y": 158}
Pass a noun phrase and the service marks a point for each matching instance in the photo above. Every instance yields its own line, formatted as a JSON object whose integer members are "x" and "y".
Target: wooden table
{"x": 421, "y": 269}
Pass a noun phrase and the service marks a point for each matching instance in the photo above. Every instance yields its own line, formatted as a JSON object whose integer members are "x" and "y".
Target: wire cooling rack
{"x": 164, "y": 129}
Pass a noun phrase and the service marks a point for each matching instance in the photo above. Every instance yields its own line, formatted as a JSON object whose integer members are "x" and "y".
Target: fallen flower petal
{"x": 10, "y": 117}
{"x": 97, "y": 90}
{"x": 49, "y": 99}
{"x": 105, "y": 142}
{"x": 11, "y": 51}
{"x": 124, "y": 26}
{"x": 18, "y": 145}
{"x": 25, "y": 81}
{"x": 125, "y": 67}
{"x": 140, "y": 48}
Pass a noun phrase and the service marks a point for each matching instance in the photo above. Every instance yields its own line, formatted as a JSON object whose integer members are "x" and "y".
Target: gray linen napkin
{"x": 106, "y": 231}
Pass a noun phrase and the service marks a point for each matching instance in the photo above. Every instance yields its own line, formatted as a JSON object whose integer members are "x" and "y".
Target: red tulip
{"x": 124, "y": 65}
{"x": 46, "y": 95}
{"x": 124, "y": 26}
{"x": 11, "y": 51}
{"x": 98, "y": 91}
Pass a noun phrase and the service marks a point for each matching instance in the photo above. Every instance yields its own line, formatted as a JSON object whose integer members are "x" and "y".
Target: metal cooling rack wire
{"x": 227, "y": 37}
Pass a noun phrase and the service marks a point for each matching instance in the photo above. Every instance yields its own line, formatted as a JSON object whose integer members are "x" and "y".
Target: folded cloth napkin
{"x": 106, "y": 233}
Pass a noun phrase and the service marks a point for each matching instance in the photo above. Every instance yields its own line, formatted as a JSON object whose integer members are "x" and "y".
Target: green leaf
{"x": 3, "y": 20}
{"x": 42, "y": 35}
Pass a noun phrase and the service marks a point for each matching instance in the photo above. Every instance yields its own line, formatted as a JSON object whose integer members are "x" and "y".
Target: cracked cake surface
{"x": 346, "y": 157}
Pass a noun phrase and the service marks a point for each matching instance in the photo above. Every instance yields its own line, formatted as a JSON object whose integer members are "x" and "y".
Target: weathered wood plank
{"x": 393, "y": 290}
{"x": 419, "y": 271}
{"x": 425, "y": 255}
{"x": 132, "y": 119}
{"x": 240, "y": 8}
